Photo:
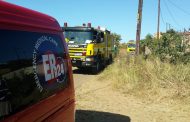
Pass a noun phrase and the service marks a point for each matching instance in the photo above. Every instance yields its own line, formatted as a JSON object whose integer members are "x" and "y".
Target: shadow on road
{"x": 82, "y": 71}
{"x": 96, "y": 116}
{"x": 86, "y": 71}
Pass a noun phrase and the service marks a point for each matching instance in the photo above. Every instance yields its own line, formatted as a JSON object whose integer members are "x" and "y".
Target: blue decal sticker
{"x": 48, "y": 64}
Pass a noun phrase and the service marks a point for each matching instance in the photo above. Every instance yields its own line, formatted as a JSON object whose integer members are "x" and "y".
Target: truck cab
{"x": 131, "y": 46}
{"x": 89, "y": 47}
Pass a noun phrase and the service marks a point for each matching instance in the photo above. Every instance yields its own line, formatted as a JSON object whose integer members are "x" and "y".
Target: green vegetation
{"x": 169, "y": 48}
{"x": 161, "y": 74}
{"x": 150, "y": 79}
{"x": 117, "y": 38}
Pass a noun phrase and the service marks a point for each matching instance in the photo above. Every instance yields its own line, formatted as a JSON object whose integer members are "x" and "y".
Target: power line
{"x": 169, "y": 11}
{"x": 163, "y": 21}
{"x": 162, "y": 16}
{"x": 186, "y": 12}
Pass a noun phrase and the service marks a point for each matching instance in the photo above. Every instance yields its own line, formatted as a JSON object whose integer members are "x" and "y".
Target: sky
{"x": 119, "y": 16}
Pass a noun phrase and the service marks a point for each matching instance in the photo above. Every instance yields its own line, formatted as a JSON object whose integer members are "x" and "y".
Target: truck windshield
{"x": 78, "y": 37}
{"x": 131, "y": 45}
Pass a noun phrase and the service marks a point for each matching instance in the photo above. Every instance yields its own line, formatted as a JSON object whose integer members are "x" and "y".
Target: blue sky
{"x": 117, "y": 15}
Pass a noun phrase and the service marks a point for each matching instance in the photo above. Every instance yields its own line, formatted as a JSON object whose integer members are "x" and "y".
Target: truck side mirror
{"x": 98, "y": 39}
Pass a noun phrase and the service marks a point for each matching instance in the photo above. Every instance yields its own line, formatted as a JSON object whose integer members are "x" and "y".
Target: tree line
{"x": 171, "y": 47}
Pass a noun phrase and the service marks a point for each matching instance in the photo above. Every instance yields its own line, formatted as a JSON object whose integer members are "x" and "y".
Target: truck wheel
{"x": 96, "y": 69}
{"x": 81, "y": 68}
{"x": 110, "y": 60}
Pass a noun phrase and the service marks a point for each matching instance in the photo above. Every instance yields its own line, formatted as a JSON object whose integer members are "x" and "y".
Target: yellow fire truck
{"x": 131, "y": 46}
{"x": 89, "y": 47}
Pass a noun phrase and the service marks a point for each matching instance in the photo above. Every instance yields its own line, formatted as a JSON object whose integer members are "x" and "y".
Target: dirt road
{"x": 82, "y": 76}
{"x": 97, "y": 101}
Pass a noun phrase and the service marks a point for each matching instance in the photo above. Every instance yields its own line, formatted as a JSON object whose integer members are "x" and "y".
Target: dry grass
{"x": 150, "y": 79}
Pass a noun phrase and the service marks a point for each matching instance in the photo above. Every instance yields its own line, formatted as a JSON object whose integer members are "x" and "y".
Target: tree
{"x": 168, "y": 48}
{"x": 117, "y": 38}
{"x": 147, "y": 41}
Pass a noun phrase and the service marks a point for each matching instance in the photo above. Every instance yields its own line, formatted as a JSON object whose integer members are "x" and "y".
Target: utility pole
{"x": 166, "y": 26}
{"x": 169, "y": 26}
{"x": 138, "y": 32}
{"x": 158, "y": 25}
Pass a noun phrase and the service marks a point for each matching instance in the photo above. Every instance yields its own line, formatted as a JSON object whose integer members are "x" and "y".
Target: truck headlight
{"x": 90, "y": 59}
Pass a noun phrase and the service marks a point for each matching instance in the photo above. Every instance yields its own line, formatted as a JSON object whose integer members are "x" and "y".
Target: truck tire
{"x": 81, "y": 68}
{"x": 111, "y": 59}
{"x": 96, "y": 68}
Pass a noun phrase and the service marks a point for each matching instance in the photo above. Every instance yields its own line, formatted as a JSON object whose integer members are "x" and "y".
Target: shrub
{"x": 168, "y": 48}
{"x": 149, "y": 78}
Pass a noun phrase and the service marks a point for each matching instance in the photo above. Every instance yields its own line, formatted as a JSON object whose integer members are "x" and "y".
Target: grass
{"x": 150, "y": 79}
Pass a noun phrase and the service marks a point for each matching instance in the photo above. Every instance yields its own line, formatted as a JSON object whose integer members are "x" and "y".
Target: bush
{"x": 168, "y": 48}
{"x": 149, "y": 78}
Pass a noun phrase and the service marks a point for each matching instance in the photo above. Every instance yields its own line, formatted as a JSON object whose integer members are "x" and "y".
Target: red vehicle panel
{"x": 35, "y": 70}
